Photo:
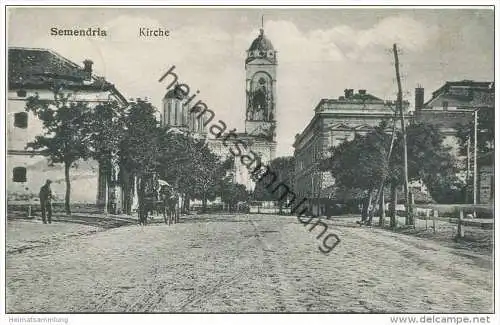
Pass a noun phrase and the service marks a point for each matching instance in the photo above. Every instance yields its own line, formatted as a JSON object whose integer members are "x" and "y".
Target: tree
{"x": 108, "y": 130}
{"x": 67, "y": 132}
{"x": 208, "y": 172}
{"x": 447, "y": 189}
{"x": 485, "y": 144}
{"x": 191, "y": 166}
{"x": 284, "y": 169}
{"x": 429, "y": 159}
{"x": 232, "y": 193}
{"x": 362, "y": 164}
{"x": 485, "y": 132}
{"x": 138, "y": 150}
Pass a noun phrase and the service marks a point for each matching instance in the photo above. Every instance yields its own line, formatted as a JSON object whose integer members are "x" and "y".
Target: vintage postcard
{"x": 250, "y": 160}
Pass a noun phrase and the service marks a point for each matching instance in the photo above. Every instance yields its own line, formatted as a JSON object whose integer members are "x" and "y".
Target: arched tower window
{"x": 200, "y": 124}
{"x": 176, "y": 109}
{"x": 169, "y": 114}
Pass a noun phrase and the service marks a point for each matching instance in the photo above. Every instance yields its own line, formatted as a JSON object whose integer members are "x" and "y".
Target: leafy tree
{"x": 284, "y": 169}
{"x": 191, "y": 166}
{"x": 209, "y": 171}
{"x": 361, "y": 163}
{"x": 108, "y": 130}
{"x": 232, "y": 193}
{"x": 447, "y": 189}
{"x": 485, "y": 132}
{"x": 429, "y": 159}
{"x": 138, "y": 150}
{"x": 485, "y": 144}
{"x": 364, "y": 163}
{"x": 67, "y": 132}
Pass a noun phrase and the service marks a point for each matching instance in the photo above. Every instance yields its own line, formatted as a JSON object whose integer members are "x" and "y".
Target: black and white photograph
{"x": 249, "y": 159}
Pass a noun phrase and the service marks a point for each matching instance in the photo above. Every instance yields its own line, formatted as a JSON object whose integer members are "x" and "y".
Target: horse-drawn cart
{"x": 157, "y": 196}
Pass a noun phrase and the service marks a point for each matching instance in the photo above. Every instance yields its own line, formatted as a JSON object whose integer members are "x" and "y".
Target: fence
{"x": 456, "y": 222}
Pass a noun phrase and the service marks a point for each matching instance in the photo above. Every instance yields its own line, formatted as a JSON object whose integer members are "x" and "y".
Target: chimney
{"x": 362, "y": 91}
{"x": 87, "y": 69}
{"x": 419, "y": 98}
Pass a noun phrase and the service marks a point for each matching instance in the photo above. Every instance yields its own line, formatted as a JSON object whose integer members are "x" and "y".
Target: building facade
{"x": 334, "y": 121}
{"x": 453, "y": 106}
{"x": 34, "y": 72}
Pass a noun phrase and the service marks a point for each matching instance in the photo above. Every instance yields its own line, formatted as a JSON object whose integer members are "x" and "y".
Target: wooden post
{"x": 467, "y": 178}
{"x": 392, "y": 206}
{"x": 408, "y": 207}
{"x": 29, "y": 200}
{"x": 434, "y": 216}
{"x": 460, "y": 230}
{"x": 382, "y": 209}
{"x": 475, "y": 162}
{"x": 426, "y": 217}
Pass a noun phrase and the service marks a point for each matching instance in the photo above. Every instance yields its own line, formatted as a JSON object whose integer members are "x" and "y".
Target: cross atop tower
{"x": 262, "y": 25}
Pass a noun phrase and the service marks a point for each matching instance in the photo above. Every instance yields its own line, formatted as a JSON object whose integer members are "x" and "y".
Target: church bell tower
{"x": 260, "y": 67}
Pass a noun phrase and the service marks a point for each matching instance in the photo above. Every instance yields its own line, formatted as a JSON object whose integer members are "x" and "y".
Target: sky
{"x": 321, "y": 52}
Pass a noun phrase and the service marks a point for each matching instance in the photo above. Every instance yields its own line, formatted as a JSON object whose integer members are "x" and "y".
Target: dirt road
{"x": 246, "y": 263}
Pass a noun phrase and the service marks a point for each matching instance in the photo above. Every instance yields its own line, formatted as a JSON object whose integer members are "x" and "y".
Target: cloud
{"x": 409, "y": 33}
{"x": 340, "y": 43}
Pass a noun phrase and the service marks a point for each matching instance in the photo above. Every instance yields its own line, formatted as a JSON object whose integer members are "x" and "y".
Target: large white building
{"x": 335, "y": 121}
{"x": 35, "y": 71}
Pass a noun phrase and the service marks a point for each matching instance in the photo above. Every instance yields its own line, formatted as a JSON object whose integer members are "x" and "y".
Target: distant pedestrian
{"x": 46, "y": 201}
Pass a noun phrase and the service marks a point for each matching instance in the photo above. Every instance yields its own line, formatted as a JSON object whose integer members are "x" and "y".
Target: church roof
{"x": 175, "y": 93}
{"x": 261, "y": 43}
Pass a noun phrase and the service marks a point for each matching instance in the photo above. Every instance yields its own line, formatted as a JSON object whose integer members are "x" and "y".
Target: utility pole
{"x": 468, "y": 171}
{"x": 409, "y": 217}
{"x": 475, "y": 161}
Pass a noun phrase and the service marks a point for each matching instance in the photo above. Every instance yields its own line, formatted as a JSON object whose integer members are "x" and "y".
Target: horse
{"x": 170, "y": 199}
{"x": 148, "y": 197}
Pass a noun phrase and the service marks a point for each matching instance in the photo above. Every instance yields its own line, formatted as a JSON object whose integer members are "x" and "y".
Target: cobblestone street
{"x": 246, "y": 263}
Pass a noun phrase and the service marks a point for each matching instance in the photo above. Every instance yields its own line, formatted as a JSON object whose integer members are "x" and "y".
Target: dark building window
{"x": 445, "y": 105}
{"x": 19, "y": 174}
{"x": 21, "y": 120}
{"x": 21, "y": 93}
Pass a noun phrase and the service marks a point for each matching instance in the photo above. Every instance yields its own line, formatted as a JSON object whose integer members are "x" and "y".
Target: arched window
{"x": 184, "y": 115}
{"x": 177, "y": 113}
{"x": 200, "y": 124}
{"x": 169, "y": 112}
{"x": 19, "y": 174}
